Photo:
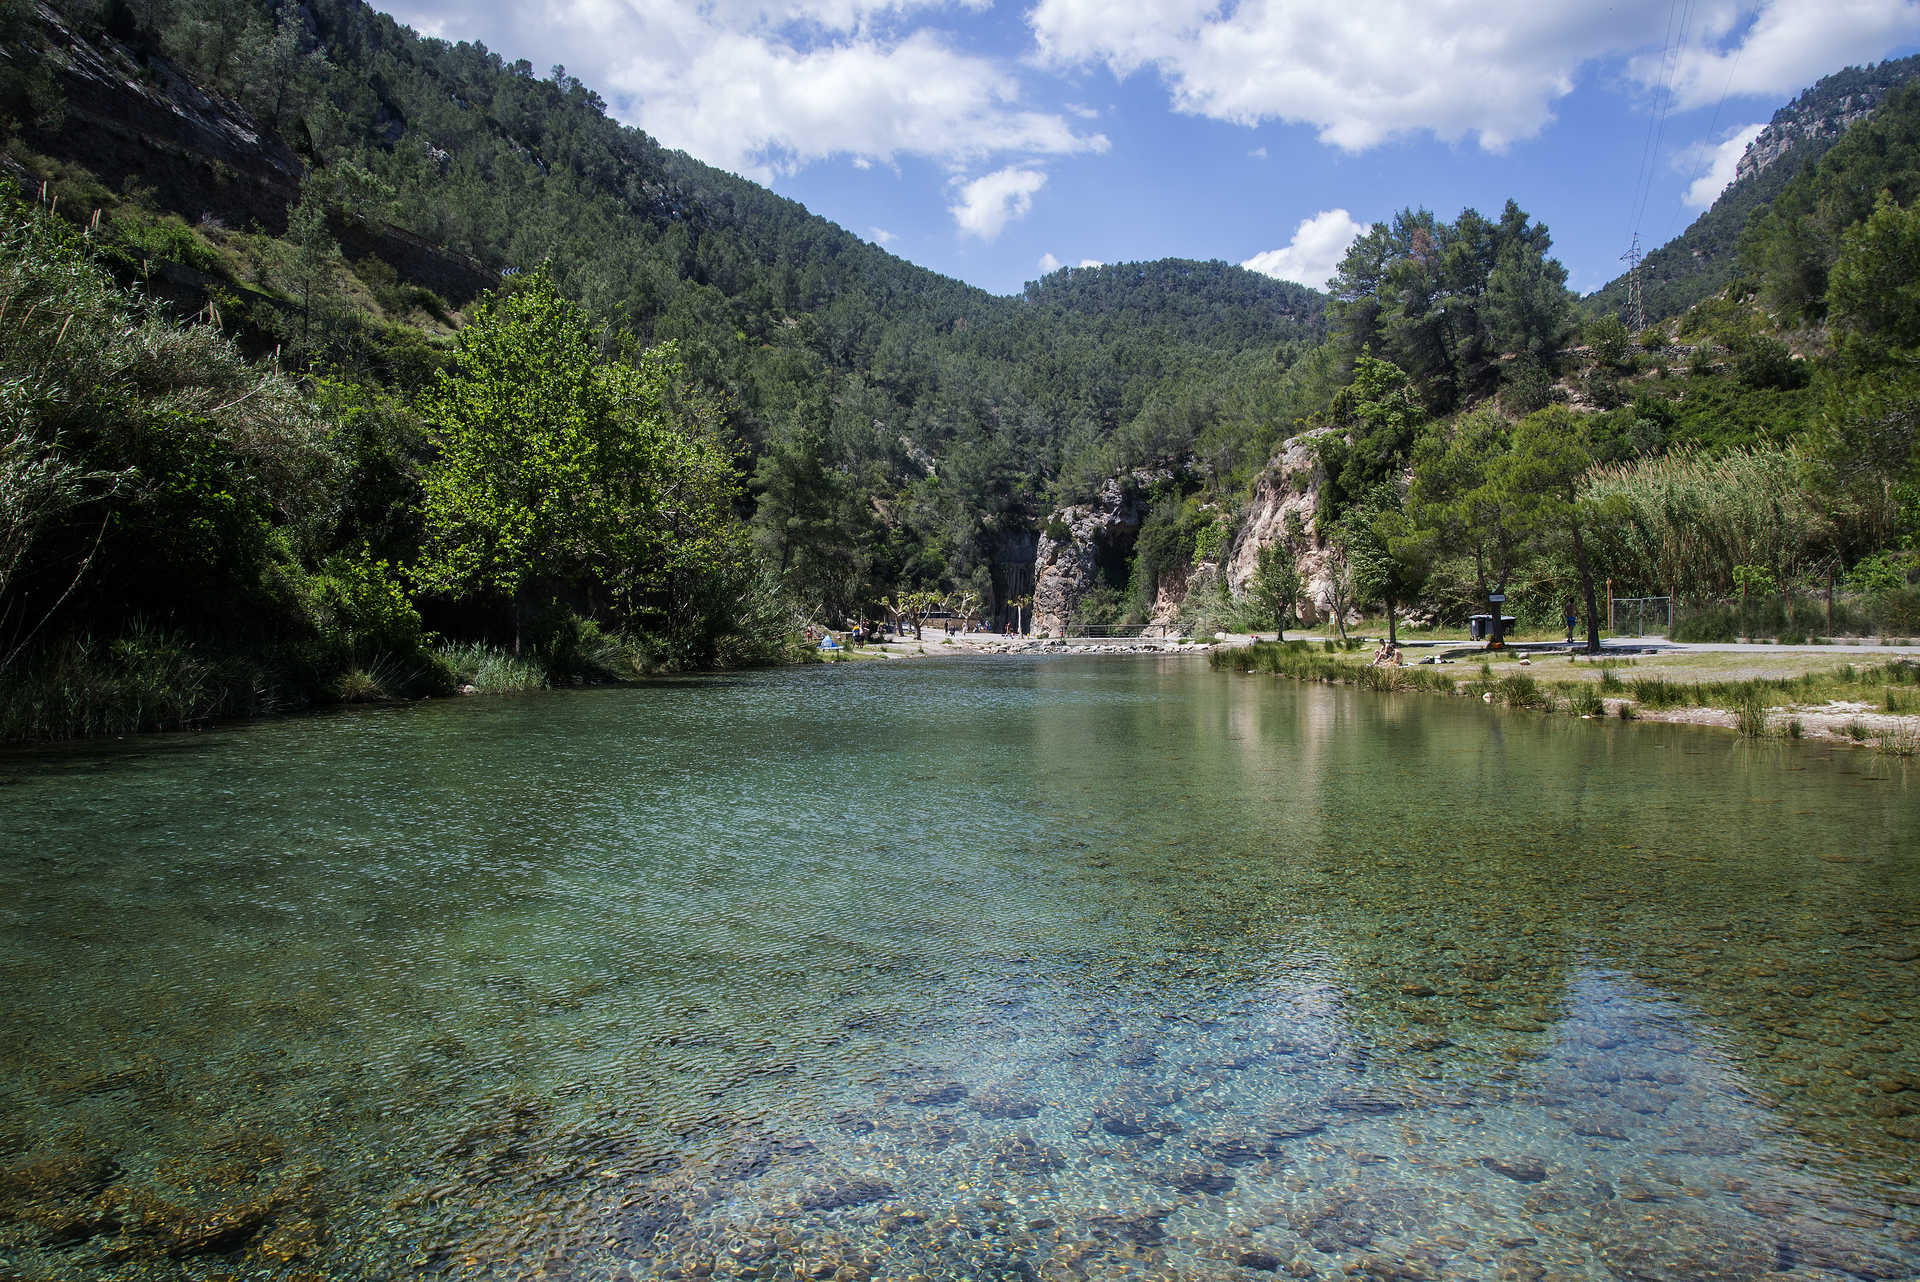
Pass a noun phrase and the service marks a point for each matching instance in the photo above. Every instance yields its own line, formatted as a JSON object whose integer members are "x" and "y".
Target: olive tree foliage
{"x": 559, "y": 474}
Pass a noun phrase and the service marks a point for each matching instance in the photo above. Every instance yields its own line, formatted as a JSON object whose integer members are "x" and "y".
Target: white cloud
{"x": 1788, "y": 45}
{"x": 1048, "y": 264}
{"x": 1314, "y": 253}
{"x": 1715, "y": 162}
{"x": 988, "y": 203}
{"x": 880, "y": 235}
{"x": 1359, "y": 72}
{"x": 1365, "y": 71}
{"x": 763, "y": 87}
{"x": 1091, "y": 262}
{"x": 1258, "y": 153}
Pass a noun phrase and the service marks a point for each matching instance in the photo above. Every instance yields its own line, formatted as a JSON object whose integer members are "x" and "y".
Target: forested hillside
{"x": 1704, "y": 259}
{"x": 343, "y": 363}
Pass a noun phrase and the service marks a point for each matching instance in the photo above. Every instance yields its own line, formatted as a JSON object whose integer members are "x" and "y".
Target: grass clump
{"x": 1658, "y": 692}
{"x": 1585, "y": 701}
{"x": 1750, "y": 714}
{"x": 1898, "y": 743}
{"x": 1520, "y": 690}
{"x": 491, "y": 670}
{"x": 82, "y": 689}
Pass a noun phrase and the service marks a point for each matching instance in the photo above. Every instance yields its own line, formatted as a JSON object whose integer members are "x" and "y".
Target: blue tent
{"x": 828, "y": 643}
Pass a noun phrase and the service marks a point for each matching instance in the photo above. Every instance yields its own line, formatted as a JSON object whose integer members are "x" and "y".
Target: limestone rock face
{"x": 1065, "y": 568}
{"x": 1289, "y": 486}
{"x": 1793, "y": 125}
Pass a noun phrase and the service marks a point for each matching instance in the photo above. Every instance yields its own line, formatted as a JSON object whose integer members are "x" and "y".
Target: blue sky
{"x": 994, "y": 141}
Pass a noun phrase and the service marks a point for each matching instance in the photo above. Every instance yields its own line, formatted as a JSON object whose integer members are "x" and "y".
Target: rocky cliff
{"x": 1796, "y": 125}
{"x": 1284, "y": 505}
{"x": 135, "y": 120}
{"x": 1082, "y": 538}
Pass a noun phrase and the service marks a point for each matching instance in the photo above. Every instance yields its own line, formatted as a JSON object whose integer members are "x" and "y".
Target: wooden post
{"x": 1609, "y": 604}
{"x": 1829, "y": 605}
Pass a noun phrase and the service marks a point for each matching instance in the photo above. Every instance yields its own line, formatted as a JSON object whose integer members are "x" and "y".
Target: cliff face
{"x": 1068, "y": 558}
{"x": 1285, "y": 499}
{"x": 1797, "y": 125}
{"x": 133, "y": 120}
{"x": 1288, "y": 488}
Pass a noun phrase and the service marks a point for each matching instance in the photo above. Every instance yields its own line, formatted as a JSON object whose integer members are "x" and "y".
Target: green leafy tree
{"x": 306, "y": 268}
{"x": 517, "y": 419}
{"x": 1459, "y": 499}
{"x": 1870, "y": 428}
{"x": 556, "y": 473}
{"x": 1873, "y": 292}
{"x": 1541, "y": 477}
{"x": 1388, "y": 560}
{"x": 1274, "y": 588}
{"x": 1382, "y": 415}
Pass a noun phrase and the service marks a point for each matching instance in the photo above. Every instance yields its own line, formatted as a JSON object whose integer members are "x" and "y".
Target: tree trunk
{"x": 1480, "y": 581}
{"x": 1586, "y": 587}
{"x": 1392, "y": 639}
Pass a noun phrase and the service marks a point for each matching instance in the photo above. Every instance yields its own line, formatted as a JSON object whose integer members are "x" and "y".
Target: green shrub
{"x": 1750, "y": 713}
{"x": 1897, "y": 612}
{"x": 1585, "y": 701}
{"x": 362, "y": 603}
{"x": 1761, "y": 362}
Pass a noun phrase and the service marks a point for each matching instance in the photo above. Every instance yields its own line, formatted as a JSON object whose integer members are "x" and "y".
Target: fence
{"x": 1637, "y": 616}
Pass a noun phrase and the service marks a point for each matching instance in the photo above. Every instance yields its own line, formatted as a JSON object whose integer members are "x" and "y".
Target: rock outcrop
{"x": 1289, "y": 488}
{"x": 1800, "y": 123}
{"x": 1068, "y": 558}
{"x": 133, "y": 118}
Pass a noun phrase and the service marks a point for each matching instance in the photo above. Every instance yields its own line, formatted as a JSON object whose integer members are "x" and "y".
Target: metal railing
{"x": 1630, "y": 616}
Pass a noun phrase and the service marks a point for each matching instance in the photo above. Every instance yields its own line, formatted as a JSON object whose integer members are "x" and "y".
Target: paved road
{"x": 1737, "y": 647}
{"x": 1658, "y": 644}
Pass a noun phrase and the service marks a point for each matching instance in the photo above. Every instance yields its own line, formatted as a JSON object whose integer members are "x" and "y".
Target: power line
{"x": 1666, "y": 109}
{"x": 1643, "y": 174}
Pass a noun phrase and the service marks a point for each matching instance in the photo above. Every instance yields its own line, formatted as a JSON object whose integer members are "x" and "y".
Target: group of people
{"x": 1387, "y": 656}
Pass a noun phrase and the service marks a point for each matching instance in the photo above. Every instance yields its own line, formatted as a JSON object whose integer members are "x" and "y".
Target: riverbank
{"x": 935, "y": 643}
{"x": 1835, "y": 694}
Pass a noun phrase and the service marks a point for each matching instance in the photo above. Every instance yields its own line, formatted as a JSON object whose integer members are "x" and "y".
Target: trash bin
{"x": 1480, "y": 626}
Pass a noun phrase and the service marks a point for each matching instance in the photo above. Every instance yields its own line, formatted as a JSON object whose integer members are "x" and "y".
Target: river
{"x": 994, "y": 969}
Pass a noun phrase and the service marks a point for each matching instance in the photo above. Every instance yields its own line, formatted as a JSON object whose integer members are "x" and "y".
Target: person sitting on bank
{"x": 1387, "y": 656}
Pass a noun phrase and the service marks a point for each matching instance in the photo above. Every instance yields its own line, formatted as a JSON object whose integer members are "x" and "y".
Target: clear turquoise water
{"x": 996, "y": 969}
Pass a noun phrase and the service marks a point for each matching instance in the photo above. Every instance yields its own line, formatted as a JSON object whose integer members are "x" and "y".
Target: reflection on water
{"x": 992, "y": 970}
